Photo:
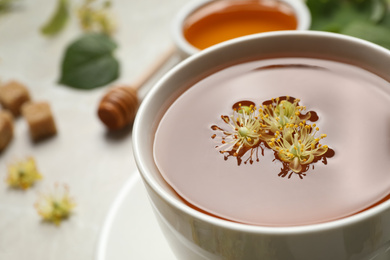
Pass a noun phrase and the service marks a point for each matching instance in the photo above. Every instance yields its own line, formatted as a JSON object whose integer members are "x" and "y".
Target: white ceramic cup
{"x": 195, "y": 235}
{"x": 185, "y": 49}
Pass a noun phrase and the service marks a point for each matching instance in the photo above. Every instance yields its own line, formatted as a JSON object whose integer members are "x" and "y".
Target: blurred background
{"x": 94, "y": 162}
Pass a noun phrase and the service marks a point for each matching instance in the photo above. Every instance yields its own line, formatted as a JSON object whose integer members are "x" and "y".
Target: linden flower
{"x": 96, "y": 19}
{"x": 23, "y": 174}
{"x": 298, "y": 145}
{"x": 55, "y": 206}
{"x": 279, "y": 113}
{"x": 245, "y": 130}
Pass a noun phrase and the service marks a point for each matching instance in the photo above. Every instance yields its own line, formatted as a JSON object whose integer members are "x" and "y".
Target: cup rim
{"x": 300, "y": 8}
{"x": 242, "y": 227}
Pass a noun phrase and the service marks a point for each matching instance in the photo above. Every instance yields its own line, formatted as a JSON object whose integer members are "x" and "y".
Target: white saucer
{"x": 130, "y": 230}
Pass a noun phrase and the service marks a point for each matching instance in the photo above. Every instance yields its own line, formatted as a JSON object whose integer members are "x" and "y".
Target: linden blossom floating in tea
{"x": 280, "y": 125}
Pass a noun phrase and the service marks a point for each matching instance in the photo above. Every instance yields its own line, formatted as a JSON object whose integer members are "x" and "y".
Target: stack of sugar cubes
{"x": 15, "y": 100}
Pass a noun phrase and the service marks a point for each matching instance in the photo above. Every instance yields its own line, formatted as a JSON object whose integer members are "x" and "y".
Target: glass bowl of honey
{"x": 204, "y": 23}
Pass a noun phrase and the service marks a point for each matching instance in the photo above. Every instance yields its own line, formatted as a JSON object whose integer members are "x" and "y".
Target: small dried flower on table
{"x": 13, "y": 95}
{"x": 40, "y": 119}
{"x": 23, "y": 174}
{"x": 6, "y": 129}
{"x": 55, "y": 206}
{"x": 94, "y": 18}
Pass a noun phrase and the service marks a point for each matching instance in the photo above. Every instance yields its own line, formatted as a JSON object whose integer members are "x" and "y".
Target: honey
{"x": 223, "y": 20}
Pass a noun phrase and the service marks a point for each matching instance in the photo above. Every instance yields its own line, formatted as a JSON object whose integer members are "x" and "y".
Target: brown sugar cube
{"x": 6, "y": 129}
{"x": 13, "y": 95}
{"x": 39, "y": 119}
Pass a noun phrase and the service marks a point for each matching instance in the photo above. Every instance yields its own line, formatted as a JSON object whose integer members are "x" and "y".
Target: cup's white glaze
{"x": 194, "y": 235}
{"x": 185, "y": 49}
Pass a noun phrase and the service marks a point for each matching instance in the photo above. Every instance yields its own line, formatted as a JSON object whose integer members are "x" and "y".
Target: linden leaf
{"x": 58, "y": 20}
{"x": 4, "y": 4}
{"x": 379, "y": 11}
{"x": 334, "y": 15}
{"x": 89, "y": 62}
{"x": 371, "y": 32}
{"x": 366, "y": 19}
{"x": 386, "y": 19}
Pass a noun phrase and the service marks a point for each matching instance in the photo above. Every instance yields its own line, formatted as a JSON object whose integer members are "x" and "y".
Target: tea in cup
{"x": 222, "y": 191}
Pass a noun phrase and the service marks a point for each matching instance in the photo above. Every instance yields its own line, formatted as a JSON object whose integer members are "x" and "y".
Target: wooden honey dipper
{"x": 119, "y": 105}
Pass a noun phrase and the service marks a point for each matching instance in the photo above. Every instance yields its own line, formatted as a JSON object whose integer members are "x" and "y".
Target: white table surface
{"x": 94, "y": 163}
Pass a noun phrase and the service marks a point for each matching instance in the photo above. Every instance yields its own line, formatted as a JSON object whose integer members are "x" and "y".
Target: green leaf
{"x": 89, "y": 62}
{"x": 333, "y": 15}
{"x": 379, "y": 10}
{"x": 5, "y": 5}
{"x": 386, "y": 19}
{"x": 58, "y": 20}
{"x": 366, "y": 19}
{"x": 371, "y": 32}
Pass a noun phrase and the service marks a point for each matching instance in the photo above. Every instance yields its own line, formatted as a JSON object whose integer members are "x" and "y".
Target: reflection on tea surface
{"x": 344, "y": 110}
